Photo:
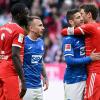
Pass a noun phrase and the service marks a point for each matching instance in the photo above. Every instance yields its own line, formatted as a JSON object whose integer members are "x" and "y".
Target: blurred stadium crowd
{"x": 53, "y": 15}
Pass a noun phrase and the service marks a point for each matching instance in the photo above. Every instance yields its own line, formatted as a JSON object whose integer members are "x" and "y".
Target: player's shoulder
{"x": 15, "y": 27}
{"x": 18, "y": 27}
{"x": 27, "y": 39}
{"x": 69, "y": 38}
{"x": 91, "y": 25}
{"x": 40, "y": 40}
{"x": 7, "y": 28}
{"x": 98, "y": 24}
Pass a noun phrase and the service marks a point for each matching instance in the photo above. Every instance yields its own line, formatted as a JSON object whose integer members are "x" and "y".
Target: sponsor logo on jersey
{"x": 36, "y": 58}
{"x": 82, "y": 51}
{"x": 20, "y": 38}
{"x": 67, "y": 47}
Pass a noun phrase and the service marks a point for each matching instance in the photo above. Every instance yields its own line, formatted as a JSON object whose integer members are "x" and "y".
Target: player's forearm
{"x": 72, "y": 31}
{"x": 78, "y": 31}
{"x": 17, "y": 63}
{"x": 17, "y": 66}
{"x": 44, "y": 72}
{"x": 77, "y": 61}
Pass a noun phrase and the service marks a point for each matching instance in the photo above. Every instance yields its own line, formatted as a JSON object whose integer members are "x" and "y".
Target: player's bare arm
{"x": 45, "y": 78}
{"x": 18, "y": 68}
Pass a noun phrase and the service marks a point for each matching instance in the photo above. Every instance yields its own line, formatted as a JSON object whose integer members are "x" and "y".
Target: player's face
{"x": 84, "y": 15}
{"x": 38, "y": 27}
{"x": 78, "y": 19}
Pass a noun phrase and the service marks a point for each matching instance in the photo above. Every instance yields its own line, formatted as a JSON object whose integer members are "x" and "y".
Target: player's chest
{"x": 79, "y": 47}
{"x": 34, "y": 48}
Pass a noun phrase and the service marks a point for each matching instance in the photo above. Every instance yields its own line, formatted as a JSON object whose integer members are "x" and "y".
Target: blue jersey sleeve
{"x": 76, "y": 61}
{"x": 67, "y": 46}
{"x": 68, "y": 51}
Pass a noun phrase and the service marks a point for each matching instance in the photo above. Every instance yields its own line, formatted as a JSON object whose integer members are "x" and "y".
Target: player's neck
{"x": 32, "y": 36}
{"x": 91, "y": 21}
{"x": 20, "y": 23}
{"x": 14, "y": 21}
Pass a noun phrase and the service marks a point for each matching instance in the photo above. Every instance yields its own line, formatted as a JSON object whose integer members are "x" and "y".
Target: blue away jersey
{"x": 74, "y": 54}
{"x": 33, "y": 56}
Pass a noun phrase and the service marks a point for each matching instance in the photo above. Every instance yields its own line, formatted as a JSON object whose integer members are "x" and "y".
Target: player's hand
{"x": 45, "y": 83}
{"x": 67, "y": 31}
{"x": 95, "y": 55}
{"x": 23, "y": 90}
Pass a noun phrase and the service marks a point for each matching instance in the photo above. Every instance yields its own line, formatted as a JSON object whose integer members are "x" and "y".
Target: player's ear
{"x": 71, "y": 22}
{"x": 30, "y": 28}
{"x": 89, "y": 14}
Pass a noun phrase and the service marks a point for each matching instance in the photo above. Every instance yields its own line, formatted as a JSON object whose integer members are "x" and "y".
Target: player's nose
{"x": 43, "y": 28}
{"x": 81, "y": 18}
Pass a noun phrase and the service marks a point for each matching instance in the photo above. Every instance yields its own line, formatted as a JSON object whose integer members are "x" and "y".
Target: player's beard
{"x": 38, "y": 34}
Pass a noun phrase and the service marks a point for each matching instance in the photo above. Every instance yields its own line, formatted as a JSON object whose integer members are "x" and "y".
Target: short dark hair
{"x": 90, "y": 8}
{"x": 70, "y": 13}
{"x": 31, "y": 18}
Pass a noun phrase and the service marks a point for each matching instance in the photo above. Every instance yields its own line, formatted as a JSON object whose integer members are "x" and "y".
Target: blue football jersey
{"x": 33, "y": 57}
{"x": 74, "y": 54}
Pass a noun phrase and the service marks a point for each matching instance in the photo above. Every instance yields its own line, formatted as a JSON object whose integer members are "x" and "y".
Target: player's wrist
{"x": 70, "y": 30}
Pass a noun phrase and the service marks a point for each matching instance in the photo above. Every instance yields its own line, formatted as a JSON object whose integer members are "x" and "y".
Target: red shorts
{"x": 92, "y": 90}
{"x": 9, "y": 88}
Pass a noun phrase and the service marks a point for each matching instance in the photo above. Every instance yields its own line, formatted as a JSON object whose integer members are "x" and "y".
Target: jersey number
{"x": 2, "y": 36}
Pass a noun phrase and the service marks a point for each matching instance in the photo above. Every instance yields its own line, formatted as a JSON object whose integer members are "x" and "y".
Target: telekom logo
{"x": 55, "y": 71}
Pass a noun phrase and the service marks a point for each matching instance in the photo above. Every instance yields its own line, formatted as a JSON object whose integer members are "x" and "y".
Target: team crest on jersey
{"x": 20, "y": 38}
{"x": 67, "y": 47}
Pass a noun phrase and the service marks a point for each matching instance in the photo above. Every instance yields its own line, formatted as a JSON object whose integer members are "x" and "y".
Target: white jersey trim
{"x": 68, "y": 55}
{"x": 91, "y": 86}
{"x": 16, "y": 45}
{"x": 81, "y": 30}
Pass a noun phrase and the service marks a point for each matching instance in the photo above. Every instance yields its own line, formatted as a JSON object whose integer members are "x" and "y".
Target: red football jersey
{"x": 11, "y": 34}
{"x": 92, "y": 34}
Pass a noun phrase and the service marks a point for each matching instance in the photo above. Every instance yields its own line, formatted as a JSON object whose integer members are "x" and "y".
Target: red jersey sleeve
{"x": 18, "y": 38}
{"x": 64, "y": 32}
{"x": 67, "y": 31}
{"x": 82, "y": 30}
